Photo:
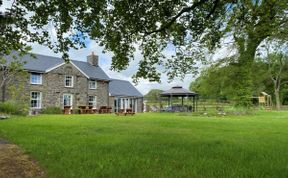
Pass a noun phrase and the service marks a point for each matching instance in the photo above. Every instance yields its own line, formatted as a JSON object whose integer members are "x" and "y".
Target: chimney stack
{"x": 93, "y": 59}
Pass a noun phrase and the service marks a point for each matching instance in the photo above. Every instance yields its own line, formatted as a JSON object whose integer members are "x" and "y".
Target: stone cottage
{"x": 53, "y": 82}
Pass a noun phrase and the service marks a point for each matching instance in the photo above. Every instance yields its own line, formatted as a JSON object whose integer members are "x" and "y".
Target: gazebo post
{"x": 196, "y": 103}
{"x": 193, "y": 103}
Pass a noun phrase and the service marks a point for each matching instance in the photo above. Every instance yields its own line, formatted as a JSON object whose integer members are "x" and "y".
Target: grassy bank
{"x": 154, "y": 144}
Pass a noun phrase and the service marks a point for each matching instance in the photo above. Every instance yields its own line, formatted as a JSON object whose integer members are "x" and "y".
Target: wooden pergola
{"x": 179, "y": 91}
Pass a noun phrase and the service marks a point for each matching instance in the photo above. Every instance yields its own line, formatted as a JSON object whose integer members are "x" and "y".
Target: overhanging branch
{"x": 185, "y": 9}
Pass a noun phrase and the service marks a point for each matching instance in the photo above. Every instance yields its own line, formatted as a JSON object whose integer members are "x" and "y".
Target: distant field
{"x": 154, "y": 144}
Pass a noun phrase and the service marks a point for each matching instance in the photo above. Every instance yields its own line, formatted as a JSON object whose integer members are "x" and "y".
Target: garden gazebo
{"x": 179, "y": 91}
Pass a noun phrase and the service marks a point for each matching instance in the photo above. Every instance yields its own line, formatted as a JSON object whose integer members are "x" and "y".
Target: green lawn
{"x": 154, "y": 144}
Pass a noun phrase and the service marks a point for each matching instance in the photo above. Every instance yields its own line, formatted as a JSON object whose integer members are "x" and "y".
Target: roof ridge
{"x": 120, "y": 80}
{"x": 57, "y": 57}
{"x": 46, "y": 55}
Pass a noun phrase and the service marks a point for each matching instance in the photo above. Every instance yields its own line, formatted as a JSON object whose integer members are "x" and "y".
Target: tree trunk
{"x": 244, "y": 82}
{"x": 3, "y": 88}
{"x": 277, "y": 98}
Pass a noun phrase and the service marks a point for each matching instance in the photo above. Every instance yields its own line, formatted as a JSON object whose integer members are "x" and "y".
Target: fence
{"x": 203, "y": 104}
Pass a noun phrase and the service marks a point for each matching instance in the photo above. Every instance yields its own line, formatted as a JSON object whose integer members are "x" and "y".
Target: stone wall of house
{"x": 101, "y": 92}
{"x": 53, "y": 88}
{"x": 111, "y": 103}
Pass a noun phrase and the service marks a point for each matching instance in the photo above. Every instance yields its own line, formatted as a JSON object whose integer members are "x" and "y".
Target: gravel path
{"x": 14, "y": 163}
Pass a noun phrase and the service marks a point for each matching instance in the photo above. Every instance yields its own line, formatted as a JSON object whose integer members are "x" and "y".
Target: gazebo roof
{"x": 178, "y": 91}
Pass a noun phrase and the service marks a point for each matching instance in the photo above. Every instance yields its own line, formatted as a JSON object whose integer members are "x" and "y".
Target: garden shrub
{"x": 14, "y": 108}
{"x": 239, "y": 111}
{"x": 52, "y": 110}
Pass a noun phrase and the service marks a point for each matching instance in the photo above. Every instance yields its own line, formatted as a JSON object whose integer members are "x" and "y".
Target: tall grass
{"x": 154, "y": 144}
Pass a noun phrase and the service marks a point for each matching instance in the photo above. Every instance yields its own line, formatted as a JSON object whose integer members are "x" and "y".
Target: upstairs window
{"x": 35, "y": 78}
{"x": 68, "y": 81}
{"x": 92, "y": 84}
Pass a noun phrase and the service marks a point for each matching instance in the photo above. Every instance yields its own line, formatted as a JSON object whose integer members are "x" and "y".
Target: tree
{"x": 217, "y": 81}
{"x": 191, "y": 27}
{"x": 153, "y": 95}
{"x": 277, "y": 64}
{"x": 13, "y": 37}
{"x": 11, "y": 72}
{"x": 14, "y": 32}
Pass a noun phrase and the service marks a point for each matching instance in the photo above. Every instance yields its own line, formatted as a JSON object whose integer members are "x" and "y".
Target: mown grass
{"x": 154, "y": 144}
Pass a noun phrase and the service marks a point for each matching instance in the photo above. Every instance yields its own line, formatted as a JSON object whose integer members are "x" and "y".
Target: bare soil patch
{"x": 14, "y": 163}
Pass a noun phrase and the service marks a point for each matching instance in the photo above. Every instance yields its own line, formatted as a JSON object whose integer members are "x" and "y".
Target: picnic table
{"x": 87, "y": 110}
{"x": 128, "y": 111}
{"x": 105, "y": 109}
{"x": 67, "y": 110}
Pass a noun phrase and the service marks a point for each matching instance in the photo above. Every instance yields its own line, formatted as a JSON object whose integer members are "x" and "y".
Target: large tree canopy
{"x": 191, "y": 27}
{"x": 217, "y": 81}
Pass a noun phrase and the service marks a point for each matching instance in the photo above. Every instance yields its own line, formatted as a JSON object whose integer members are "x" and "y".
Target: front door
{"x": 68, "y": 100}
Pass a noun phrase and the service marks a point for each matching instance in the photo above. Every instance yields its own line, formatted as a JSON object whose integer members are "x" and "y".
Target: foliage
{"x": 154, "y": 144}
{"x": 218, "y": 81}
{"x": 14, "y": 108}
{"x": 52, "y": 110}
{"x": 153, "y": 95}
{"x": 276, "y": 60}
{"x": 12, "y": 76}
{"x": 14, "y": 33}
{"x": 215, "y": 82}
{"x": 153, "y": 25}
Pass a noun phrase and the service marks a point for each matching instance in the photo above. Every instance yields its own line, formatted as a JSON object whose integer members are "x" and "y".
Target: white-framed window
{"x": 92, "y": 84}
{"x": 35, "y": 99}
{"x": 92, "y": 101}
{"x": 67, "y": 100}
{"x": 36, "y": 78}
{"x": 68, "y": 81}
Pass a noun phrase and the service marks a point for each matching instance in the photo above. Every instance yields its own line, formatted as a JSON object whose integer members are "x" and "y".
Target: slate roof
{"x": 178, "y": 91}
{"x": 39, "y": 64}
{"x": 91, "y": 71}
{"x": 123, "y": 88}
{"x": 43, "y": 63}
